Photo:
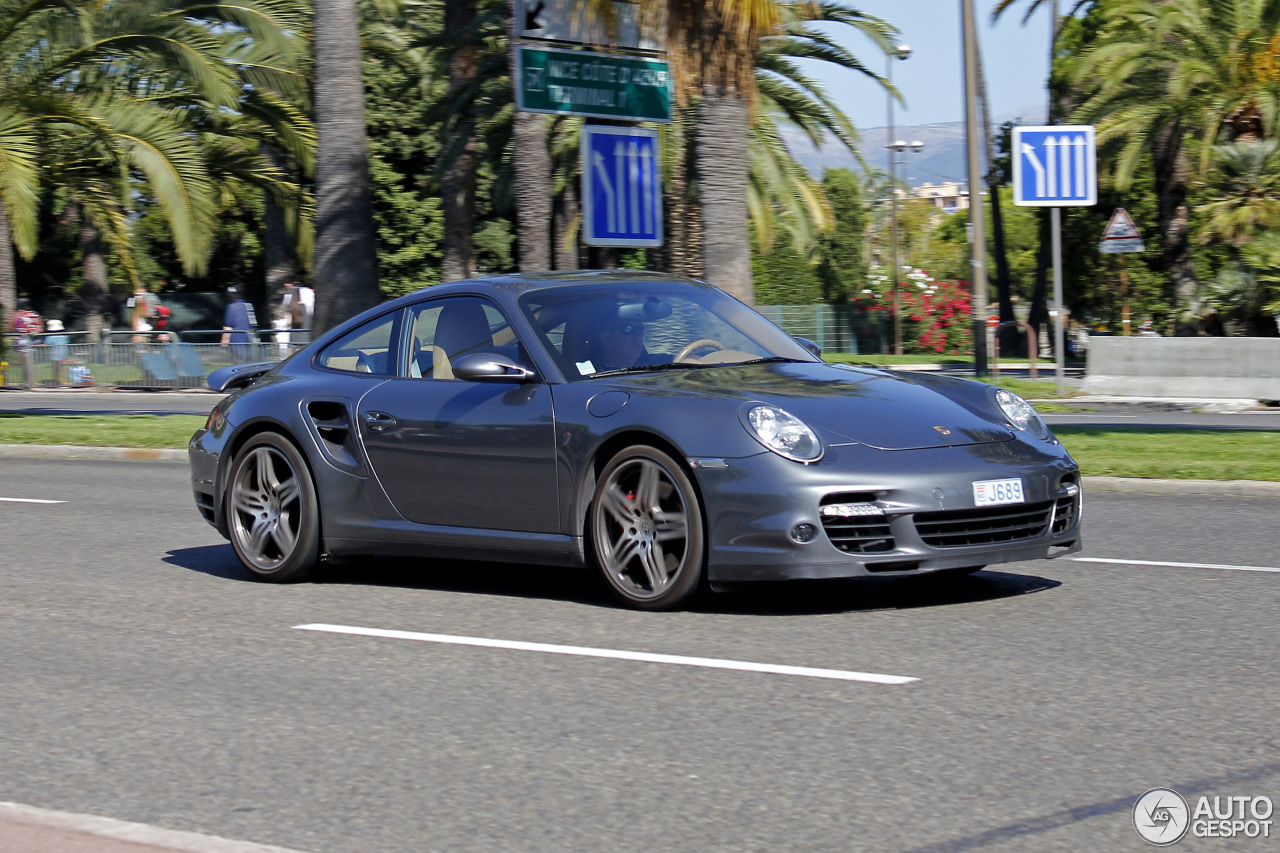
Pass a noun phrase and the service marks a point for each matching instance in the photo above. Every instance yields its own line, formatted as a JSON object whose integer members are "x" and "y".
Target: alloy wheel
{"x": 644, "y": 519}
{"x": 266, "y": 508}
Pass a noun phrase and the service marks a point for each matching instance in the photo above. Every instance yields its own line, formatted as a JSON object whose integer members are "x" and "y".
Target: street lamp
{"x": 900, "y": 52}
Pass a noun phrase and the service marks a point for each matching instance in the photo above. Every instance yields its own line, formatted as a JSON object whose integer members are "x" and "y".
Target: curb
{"x": 1227, "y": 488}
{"x": 72, "y": 451}
{"x": 56, "y": 823}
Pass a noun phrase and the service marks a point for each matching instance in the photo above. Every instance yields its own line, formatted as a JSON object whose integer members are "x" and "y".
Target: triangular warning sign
{"x": 1120, "y": 227}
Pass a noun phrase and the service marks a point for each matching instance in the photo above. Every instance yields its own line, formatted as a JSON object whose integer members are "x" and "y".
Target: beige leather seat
{"x": 463, "y": 329}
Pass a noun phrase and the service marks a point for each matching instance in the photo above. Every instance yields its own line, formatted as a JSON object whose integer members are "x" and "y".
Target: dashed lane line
{"x": 29, "y": 501}
{"x": 1271, "y": 569}
{"x": 613, "y": 654}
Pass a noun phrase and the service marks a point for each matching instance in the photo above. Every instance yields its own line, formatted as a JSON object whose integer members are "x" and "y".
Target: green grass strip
{"x": 1177, "y": 454}
{"x": 99, "y": 430}
{"x": 1183, "y": 454}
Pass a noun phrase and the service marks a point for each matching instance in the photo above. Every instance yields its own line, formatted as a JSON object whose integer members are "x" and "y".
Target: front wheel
{"x": 272, "y": 512}
{"x": 646, "y": 530}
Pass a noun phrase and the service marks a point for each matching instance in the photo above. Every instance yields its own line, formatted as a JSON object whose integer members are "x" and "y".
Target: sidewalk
{"x": 27, "y": 829}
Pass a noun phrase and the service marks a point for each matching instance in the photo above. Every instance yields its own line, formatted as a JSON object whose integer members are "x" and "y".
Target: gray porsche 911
{"x": 649, "y": 425}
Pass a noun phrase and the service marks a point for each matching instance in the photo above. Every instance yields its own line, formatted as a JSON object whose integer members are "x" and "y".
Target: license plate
{"x": 992, "y": 492}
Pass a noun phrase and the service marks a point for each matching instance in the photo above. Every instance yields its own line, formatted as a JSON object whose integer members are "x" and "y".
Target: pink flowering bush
{"x": 935, "y": 317}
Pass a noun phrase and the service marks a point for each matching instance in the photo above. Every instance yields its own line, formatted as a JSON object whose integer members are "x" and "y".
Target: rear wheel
{"x": 646, "y": 530}
{"x": 272, "y": 512}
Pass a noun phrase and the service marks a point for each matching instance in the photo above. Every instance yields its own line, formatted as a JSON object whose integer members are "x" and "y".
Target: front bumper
{"x": 754, "y": 503}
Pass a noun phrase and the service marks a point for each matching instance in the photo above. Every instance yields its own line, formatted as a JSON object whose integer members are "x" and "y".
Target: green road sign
{"x": 597, "y": 85}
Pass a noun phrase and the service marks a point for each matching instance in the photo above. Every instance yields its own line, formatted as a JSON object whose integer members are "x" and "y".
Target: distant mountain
{"x": 941, "y": 159}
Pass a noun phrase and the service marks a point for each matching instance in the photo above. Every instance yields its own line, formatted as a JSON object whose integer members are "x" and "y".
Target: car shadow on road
{"x": 461, "y": 576}
{"x": 866, "y": 594}
{"x": 582, "y": 586}
{"x": 216, "y": 560}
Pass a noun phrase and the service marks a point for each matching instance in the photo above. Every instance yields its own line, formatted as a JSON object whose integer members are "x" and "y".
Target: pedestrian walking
{"x": 238, "y": 325}
{"x": 142, "y": 312}
{"x": 57, "y": 342}
{"x": 26, "y": 324}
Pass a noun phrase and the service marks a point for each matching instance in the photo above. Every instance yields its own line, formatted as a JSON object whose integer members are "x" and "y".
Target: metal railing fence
{"x": 835, "y": 328}
{"x": 147, "y": 360}
{"x": 183, "y": 359}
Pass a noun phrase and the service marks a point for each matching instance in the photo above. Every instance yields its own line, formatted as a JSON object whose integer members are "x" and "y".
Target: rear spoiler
{"x": 238, "y": 376}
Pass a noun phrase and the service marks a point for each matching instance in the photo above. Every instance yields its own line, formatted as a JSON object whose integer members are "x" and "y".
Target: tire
{"x": 272, "y": 513}
{"x": 645, "y": 529}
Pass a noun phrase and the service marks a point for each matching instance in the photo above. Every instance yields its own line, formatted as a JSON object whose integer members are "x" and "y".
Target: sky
{"x": 931, "y": 79}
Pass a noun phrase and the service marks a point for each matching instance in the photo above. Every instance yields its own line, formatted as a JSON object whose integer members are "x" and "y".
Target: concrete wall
{"x": 1243, "y": 368}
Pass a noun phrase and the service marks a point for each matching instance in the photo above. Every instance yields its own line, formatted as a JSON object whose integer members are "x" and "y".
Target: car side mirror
{"x": 490, "y": 367}
{"x": 809, "y": 345}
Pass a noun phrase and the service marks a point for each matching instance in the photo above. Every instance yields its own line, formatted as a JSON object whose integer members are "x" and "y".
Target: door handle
{"x": 378, "y": 421}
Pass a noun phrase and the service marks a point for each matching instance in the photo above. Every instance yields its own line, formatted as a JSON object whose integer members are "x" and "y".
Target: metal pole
{"x": 1124, "y": 296}
{"x": 893, "y": 216}
{"x": 973, "y": 144}
{"x": 1056, "y": 228}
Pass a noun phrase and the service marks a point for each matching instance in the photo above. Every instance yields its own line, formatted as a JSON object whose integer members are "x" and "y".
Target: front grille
{"x": 1065, "y": 513}
{"x": 857, "y": 534}
{"x": 984, "y": 526}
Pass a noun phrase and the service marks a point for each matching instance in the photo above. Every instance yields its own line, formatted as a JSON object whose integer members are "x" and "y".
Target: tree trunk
{"x": 566, "y": 236}
{"x": 722, "y": 191}
{"x": 1007, "y": 335}
{"x": 532, "y": 191}
{"x": 8, "y": 275}
{"x": 681, "y": 251}
{"x": 1170, "y": 161}
{"x": 94, "y": 272}
{"x": 457, "y": 183}
{"x": 346, "y": 261}
{"x": 278, "y": 246}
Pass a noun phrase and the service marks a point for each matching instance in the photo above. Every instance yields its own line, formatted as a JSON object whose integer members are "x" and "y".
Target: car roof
{"x": 516, "y": 283}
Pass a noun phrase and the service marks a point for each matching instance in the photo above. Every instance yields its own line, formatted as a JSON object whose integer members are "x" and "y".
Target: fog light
{"x": 804, "y": 533}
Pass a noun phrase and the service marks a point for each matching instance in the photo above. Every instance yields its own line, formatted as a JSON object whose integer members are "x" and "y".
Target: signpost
{"x": 621, "y": 187}
{"x": 596, "y": 85}
{"x": 567, "y": 21}
{"x": 1121, "y": 237}
{"x": 1055, "y": 167}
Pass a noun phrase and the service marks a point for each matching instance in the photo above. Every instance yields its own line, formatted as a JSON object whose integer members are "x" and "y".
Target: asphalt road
{"x": 144, "y": 677}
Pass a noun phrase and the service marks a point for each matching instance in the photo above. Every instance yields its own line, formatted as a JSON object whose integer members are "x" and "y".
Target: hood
{"x": 890, "y": 411}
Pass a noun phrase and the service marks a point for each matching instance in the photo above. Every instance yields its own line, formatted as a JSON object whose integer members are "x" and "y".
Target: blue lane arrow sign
{"x": 621, "y": 187}
{"x": 1055, "y": 166}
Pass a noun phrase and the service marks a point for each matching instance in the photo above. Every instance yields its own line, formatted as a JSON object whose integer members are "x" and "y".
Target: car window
{"x": 365, "y": 349}
{"x": 443, "y": 330}
{"x": 596, "y": 329}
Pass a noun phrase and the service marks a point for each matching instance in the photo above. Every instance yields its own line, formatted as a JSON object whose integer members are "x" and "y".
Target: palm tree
{"x": 70, "y": 117}
{"x": 1161, "y": 73}
{"x": 782, "y": 191}
{"x": 346, "y": 261}
{"x": 1246, "y": 180}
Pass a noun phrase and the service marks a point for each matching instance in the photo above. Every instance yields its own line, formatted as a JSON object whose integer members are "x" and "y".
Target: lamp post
{"x": 900, "y": 52}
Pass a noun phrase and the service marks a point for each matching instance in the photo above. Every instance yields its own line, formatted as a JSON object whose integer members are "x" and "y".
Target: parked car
{"x": 649, "y": 425}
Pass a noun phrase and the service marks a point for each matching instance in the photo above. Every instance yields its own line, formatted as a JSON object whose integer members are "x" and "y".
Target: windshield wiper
{"x": 649, "y": 368}
{"x": 774, "y": 359}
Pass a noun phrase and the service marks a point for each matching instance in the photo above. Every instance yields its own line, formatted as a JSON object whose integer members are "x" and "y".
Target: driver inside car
{"x": 620, "y": 344}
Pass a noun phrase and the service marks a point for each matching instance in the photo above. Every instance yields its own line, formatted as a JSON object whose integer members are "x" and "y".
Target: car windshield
{"x": 599, "y": 329}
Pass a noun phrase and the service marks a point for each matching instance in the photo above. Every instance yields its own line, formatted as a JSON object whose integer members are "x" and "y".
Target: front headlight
{"x": 783, "y": 433}
{"x": 1021, "y": 414}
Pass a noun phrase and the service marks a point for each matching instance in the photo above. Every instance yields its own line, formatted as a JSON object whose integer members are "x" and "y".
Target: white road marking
{"x": 1177, "y": 565}
{"x": 679, "y": 660}
{"x": 153, "y": 837}
{"x": 29, "y": 501}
